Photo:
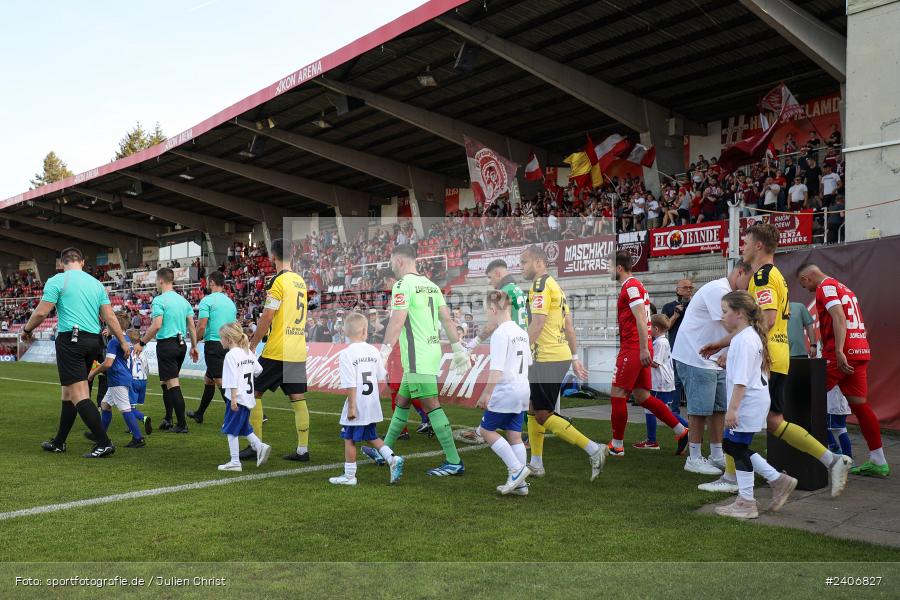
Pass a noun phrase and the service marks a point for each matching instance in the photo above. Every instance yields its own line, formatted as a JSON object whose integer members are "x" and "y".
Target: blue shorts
{"x": 492, "y": 421}
{"x": 237, "y": 422}
{"x": 739, "y": 437}
{"x": 666, "y": 397}
{"x": 359, "y": 433}
{"x": 703, "y": 388}
{"x": 138, "y": 391}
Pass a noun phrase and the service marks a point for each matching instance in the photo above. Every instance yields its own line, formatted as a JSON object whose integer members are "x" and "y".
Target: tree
{"x": 54, "y": 170}
{"x": 137, "y": 139}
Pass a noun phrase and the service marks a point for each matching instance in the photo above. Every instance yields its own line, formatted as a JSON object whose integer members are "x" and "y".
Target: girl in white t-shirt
{"x": 238, "y": 372}
{"x": 361, "y": 369}
{"x": 747, "y": 385}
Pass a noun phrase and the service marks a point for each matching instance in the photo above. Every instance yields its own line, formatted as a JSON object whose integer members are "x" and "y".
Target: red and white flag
{"x": 781, "y": 101}
{"x": 613, "y": 147}
{"x": 642, "y": 155}
{"x": 490, "y": 173}
{"x": 533, "y": 168}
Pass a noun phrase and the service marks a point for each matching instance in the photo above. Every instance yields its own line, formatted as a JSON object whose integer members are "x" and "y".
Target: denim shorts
{"x": 703, "y": 388}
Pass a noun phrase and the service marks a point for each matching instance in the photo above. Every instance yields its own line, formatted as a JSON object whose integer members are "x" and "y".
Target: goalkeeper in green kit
{"x": 417, "y": 312}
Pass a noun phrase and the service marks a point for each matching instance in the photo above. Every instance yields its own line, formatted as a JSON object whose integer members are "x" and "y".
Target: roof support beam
{"x": 44, "y": 241}
{"x": 147, "y": 231}
{"x": 386, "y": 169}
{"x": 819, "y": 42}
{"x": 28, "y": 251}
{"x": 251, "y": 209}
{"x": 619, "y": 104}
{"x": 448, "y": 128}
{"x": 97, "y": 238}
{"x": 193, "y": 220}
{"x": 326, "y": 193}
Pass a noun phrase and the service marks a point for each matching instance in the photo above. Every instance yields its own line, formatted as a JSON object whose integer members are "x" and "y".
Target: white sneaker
{"x": 840, "y": 469}
{"x": 719, "y": 485}
{"x": 262, "y": 454}
{"x": 230, "y": 466}
{"x": 718, "y": 463}
{"x": 702, "y": 466}
{"x": 342, "y": 480}
{"x": 536, "y": 471}
{"x": 515, "y": 479}
{"x": 598, "y": 460}
{"x": 739, "y": 509}
{"x": 521, "y": 490}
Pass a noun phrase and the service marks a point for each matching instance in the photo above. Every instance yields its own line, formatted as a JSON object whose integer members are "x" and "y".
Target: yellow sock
{"x": 301, "y": 419}
{"x": 729, "y": 466}
{"x": 536, "y": 437}
{"x": 566, "y": 431}
{"x": 800, "y": 439}
{"x": 256, "y": 418}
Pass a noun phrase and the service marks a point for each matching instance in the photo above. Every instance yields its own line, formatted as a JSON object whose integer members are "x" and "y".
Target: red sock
{"x": 619, "y": 417}
{"x": 868, "y": 424}
{"x": 661, "y": 411}
{"x": 417, "y": 405}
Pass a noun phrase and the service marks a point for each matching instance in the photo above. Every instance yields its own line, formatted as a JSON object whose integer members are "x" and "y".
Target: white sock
{"x": 729, "y": 477}
{"x": 537, "y": 461}
{"x": 837, "y": 432}
{"x": 745, "y": 484}
{"x": 827, "y": 459}
{"x": 521, "y": 453}
{"x": 679, "y": 429}
{"x": 255, "y": 442}
{"x": 234, "y": 448}
{"x": 350, "y": 470}
{"x": 386, "y": 453}
{"x": 617, "y": 443}
{"x": 877, "y": 456}
{"x": 302, "y": 449}
{"x": 696, "y": 450}
{"x": 592, "y": 448}
{"x": 715, "y": 452}
{"x": 502, "y": 449}
{"x": 762, "y": 466}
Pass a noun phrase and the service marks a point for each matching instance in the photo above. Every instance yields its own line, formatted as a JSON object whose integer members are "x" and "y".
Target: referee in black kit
{"x": 173, "y": 319}
{"x": 78, "y": 299}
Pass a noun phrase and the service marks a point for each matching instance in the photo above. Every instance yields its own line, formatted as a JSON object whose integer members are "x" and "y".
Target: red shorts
{"x": 852, "y": 385}
{"x": 630, "y": 374}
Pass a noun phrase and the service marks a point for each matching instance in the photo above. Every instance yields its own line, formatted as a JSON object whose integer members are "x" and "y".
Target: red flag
{"x": 533, "y": 168}
{"x": 747, "y": 151}
{"x": 781, "y": 101}
{"x": 489, "y": 173}
{"x": 642, "y": 155}
{"x": 613, "y": 147}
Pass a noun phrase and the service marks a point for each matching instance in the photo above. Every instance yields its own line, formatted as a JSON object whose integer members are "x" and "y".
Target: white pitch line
{"x": 198, "y": 485}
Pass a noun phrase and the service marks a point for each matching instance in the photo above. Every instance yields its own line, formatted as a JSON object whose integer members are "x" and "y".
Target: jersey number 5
{"x": 368, "y": 386}
{"x": 301, "y": 308}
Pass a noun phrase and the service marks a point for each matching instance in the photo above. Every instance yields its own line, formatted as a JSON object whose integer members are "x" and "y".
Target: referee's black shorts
{"x": 214, "y": 355}
{"x": 545, "y": 379}
{"x": 74, "y": 359}
{"x": 776, "y": 392}
{"x": 169, "y": 357}
{"x": 289, "y": 376}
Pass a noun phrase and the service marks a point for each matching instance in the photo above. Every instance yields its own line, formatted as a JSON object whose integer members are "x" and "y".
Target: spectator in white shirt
{"x": 799, "y": 194}
{"x": 553, "y": 224}
{"x": 771, "y": 191}
{"x": 831, "y": 183}
{"x": 637, "y": 209}
{"x": 652, "y": 212}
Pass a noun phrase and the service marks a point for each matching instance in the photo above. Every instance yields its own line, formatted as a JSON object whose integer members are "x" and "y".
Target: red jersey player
{"x": 634, "y": 360}
{"x": 846, "y": 350}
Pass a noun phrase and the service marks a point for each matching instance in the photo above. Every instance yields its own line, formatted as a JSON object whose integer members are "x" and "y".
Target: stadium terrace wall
{"x": 866, "y": 267}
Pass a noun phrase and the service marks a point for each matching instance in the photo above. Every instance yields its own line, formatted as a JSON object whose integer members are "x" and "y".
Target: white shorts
{"x": 837, "y": 402}
{"x": 118, "y": 396}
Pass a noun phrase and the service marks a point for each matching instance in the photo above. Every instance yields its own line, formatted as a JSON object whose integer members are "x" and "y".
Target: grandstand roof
{"x": 705, "y": 60}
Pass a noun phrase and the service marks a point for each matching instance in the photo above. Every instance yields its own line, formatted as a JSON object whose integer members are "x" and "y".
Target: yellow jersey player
{"x": 551, "y": 334}
{"x": 283, "y": 358}
{"x": 769, "y": 289}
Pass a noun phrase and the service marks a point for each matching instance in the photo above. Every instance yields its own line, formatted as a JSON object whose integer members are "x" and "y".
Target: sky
{"x": 77, "y": 75}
